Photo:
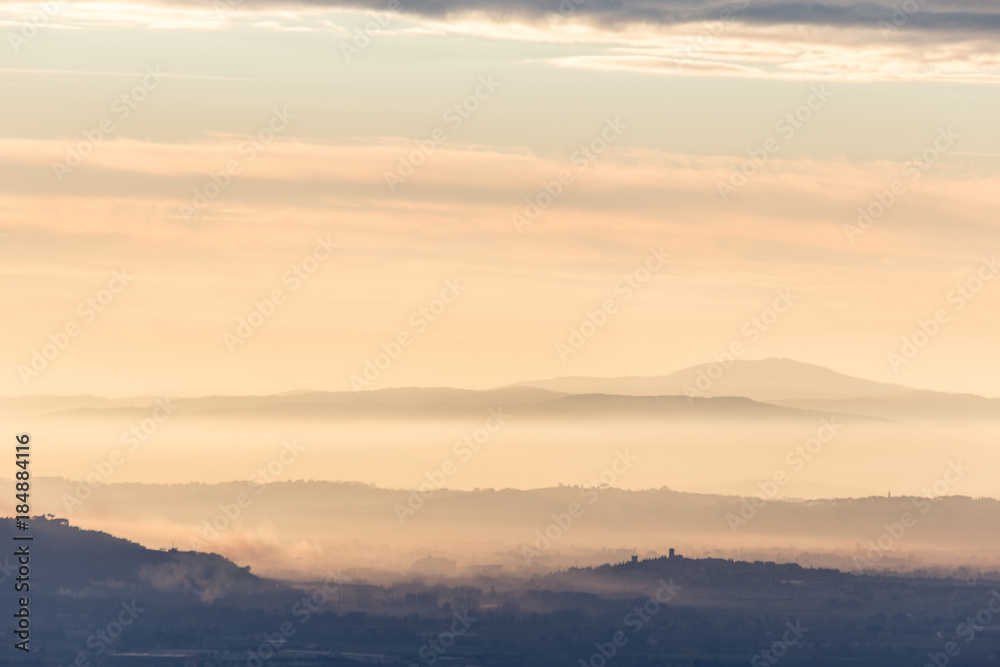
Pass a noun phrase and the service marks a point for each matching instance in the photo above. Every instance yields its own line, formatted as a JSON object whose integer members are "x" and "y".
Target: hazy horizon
{"x": 489, "y": 387}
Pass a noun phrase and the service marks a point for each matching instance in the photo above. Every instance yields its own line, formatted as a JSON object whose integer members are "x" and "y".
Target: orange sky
{"x": 209, "y": 155}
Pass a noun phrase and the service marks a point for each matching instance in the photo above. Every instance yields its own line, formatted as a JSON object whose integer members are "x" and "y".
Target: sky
{"x": 251, "y": 198}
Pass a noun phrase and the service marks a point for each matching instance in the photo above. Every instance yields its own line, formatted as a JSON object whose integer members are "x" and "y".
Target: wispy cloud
{"x": 801, "y": 62}
{"x": 976, "y": 16}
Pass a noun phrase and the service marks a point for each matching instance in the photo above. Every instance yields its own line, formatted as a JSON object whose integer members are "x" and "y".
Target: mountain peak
{"x": 759, "y": 379}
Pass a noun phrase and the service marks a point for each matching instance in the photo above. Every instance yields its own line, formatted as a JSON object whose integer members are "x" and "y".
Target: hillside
{"x": 66, "y": 560}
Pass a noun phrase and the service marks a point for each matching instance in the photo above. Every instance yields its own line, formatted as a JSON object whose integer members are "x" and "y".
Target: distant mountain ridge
{"x": 437, "y": 404}
{"x": 790, "y": 383}
{"x": 776, "y": 387}
{"x": 762, "y": 380}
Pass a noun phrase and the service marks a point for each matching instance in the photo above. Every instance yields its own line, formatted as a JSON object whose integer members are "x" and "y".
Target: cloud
{"x": 957, "y": 16}
{"x": 453, "y": 218}
{"x": 474, "y": 188}
{"x": 882, "y": 40}
{"x": 762, "y": 59}
{"x": 657, "y": 65}
{"x": 974, "y": 16}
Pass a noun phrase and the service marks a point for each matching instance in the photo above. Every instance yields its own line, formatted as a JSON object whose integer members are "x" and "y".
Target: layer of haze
{"x": 824, "y": 434}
